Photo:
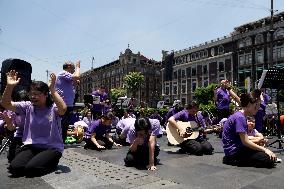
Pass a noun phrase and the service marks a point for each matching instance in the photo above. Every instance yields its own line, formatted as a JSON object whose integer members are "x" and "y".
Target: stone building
{"x": 242, "y": 54}
{"x": 253, "y": 41}
{"x": 196, "y": 66}
{"x": 111, "y": 76}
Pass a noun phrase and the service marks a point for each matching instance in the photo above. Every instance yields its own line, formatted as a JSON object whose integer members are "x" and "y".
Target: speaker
{"x": 24, "y": 70}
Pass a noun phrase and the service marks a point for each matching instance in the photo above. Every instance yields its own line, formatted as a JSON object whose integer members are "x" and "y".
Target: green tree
{"x": 132, "y": 82}
{"x": 204, "y": 95}
{"x": 117, "y": 92}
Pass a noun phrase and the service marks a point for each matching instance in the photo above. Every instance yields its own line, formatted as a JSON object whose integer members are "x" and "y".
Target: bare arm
{"x": 56, "y": 97}
{"x": 76, "y": 74}
{"x": 235, "y": 96}
{"x": 152, "y": 144}
{"x": 94, "y": 140}
{"x": 173, "y": 122}
{"x": 246, "y": 142}
{"x": 12, "y": 81}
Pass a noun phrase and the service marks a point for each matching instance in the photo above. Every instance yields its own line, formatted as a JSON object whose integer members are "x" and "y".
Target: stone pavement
{"x": 80, "y": 168}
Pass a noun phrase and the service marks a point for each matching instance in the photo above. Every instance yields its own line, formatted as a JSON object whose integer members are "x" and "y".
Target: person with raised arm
{"x": 43, "y": 144}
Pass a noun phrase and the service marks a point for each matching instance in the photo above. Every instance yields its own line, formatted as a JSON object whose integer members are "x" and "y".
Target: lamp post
{"x": 271, "y": 31}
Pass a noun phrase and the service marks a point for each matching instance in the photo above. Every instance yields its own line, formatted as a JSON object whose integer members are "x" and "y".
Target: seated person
{"x": 239, "y": 150}
{"x": 88, "y": 117}
{"x": 143, "y": 150}
{"x": 253, "y": 135}
{"x": 198, "y": 146}
{"x": 97, "y": 136}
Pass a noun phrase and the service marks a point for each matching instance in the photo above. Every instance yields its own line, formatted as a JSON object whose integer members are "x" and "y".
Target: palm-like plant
{"x": 132, "y": 82}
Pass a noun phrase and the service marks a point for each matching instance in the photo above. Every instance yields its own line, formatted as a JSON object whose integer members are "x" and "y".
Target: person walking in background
{"x": 43, "y": 144}
{"x": 65, "y": 86}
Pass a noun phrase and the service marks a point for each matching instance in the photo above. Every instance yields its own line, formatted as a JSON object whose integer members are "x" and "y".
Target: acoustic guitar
{"x": 191, "y": 128}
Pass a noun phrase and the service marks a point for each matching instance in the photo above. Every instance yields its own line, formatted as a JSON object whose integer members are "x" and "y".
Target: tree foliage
{"x": 133, "y": 81}
{"x": 117, "y": 92}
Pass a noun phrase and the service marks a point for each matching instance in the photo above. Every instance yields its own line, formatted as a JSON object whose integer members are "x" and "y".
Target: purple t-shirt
{"x": 65, "y": 87}
{"x": 103, "y": 97}
{"x": 129, "y": 130}
{"x": 184, "y": 116}
{"x": 98, "y": 128}
{"x": 223, "y": 98}
{"x": 19, "y": 122}
{"x": 125, "y": 123}
{"x": 171, "y": 112}
{"x": 88, "y": 121}
{"x": 235, "y": 124}
{"x": 259, "y": 117}
{"x": 42, "y": 127}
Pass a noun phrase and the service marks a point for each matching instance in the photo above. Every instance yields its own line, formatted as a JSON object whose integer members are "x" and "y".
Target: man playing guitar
{"x": 196, "y": 146}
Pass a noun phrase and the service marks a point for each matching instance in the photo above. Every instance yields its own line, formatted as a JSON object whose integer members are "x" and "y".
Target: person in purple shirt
{"x": 65, "y": 86}
{"x": 43, "y": 144}
{"x": 98, "y": 106}
{"x": 15, "y": 125}
{"x": 143, "y": 150}
{"x": 97, "y": 136}
{"x": 122, "y": 129}
{"x": 238, "y": 149}
{"x": 261, "y": 112}
{"x": 198, "y": 146}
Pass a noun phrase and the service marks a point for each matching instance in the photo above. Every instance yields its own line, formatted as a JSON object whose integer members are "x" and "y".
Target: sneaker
{"x": 278, "y": 160}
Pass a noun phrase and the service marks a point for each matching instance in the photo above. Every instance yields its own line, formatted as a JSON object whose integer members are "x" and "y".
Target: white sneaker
{"x": 278, "y": 160}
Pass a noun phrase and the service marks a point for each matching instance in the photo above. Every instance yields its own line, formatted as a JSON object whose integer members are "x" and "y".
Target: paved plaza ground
{"x": 80, "y": 168}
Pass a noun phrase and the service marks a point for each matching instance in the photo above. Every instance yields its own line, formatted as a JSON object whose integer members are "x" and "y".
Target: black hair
{"x": 252, "y": 97}
{"x": 251, "y": 118}
{"x": 191, "y": 105}
{"x": 205, "y": 113}
{"x": 108, "y": 116}
{"x": 43, "y": 88}
{"x": 68, "y": 65}
{"x": 142, "y": 123}
{"x": 21, "y": 95}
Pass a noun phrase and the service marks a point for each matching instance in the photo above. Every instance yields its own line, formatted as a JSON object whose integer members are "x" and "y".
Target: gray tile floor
{"x": 79, "y": 168}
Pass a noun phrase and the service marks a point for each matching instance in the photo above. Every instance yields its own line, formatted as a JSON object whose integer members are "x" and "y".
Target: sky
{"x": 46, "y": 33}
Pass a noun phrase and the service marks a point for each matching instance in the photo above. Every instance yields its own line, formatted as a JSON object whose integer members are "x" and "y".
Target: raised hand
{"x": 52, "y": 80}
{"x": 78, "y": 64}
{"x": 12, "y": 78}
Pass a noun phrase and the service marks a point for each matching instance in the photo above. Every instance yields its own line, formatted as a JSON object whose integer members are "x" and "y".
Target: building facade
{"x": 242, "y": 54}
{"x": 253, "y": 43}
{"x": 111, "y": 76}
{"x": 196, "y": 66}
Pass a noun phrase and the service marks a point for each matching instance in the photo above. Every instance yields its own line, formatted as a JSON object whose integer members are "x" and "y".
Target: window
{"x": 221, "y": 67}
{"x": 221, "y": 50}
{"x": 205, "y": 81}
{"x": 221, "y": 77}
{"x": 241, "y": 60}
{"x": 205, "y": 71}
{"x": 175, "y": 74}
{"x": 248, "y": 59}
{"x": 183, "y": 86}
{"x": 175, "y": 88}
{"x": 183, "y": 74}
{"x": 206, "y": 53}
{"x": 193, "y": 56}
{"x": 279, "y": 34}
{"x": 248, "y": 41}
{"x": 193, "y": 71}
{"x": 193, "y": 85}
{"x": 259, "y": 39}
{"x": 259, "y": 56}
{"x": 241, "y": 44}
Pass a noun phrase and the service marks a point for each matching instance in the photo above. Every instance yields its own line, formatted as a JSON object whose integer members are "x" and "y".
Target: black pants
{"x": 15, "y": 145}
{"x": 103, "y": 141}
{"x": 249, "y": 158}
{"x": 197, "y": 147}
{"x": 32, "y": 161}
{"x": 65, "y": 122}
{"x": 140, "y": 158}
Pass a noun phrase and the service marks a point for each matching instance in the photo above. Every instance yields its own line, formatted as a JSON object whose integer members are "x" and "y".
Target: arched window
{"x": 258, "y": 39}
{"x": 241, "y": 44}
{"x": 221, "y": 49}
{"x": 248, "y": 41}
{"x": 279, "y": 33}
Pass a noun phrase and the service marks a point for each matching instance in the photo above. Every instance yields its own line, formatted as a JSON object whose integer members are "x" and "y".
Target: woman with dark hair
{"x": 142, "y": 137}
{"x": 239, "y": 150}
{"x": 43, "y": 144}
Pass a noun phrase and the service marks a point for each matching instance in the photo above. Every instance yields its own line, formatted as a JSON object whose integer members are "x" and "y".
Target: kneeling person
{"x": 143, "y": 149}
{"x": 97, "y": 136}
